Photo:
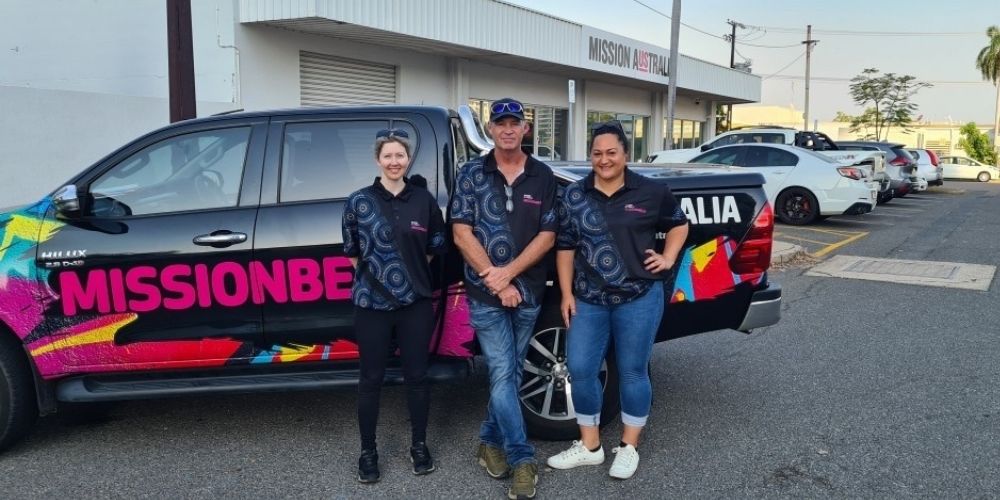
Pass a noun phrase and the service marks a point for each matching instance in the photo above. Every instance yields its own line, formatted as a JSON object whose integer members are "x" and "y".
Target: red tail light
{"x": 754, "y": 255}
{"x": 851, "y": 172}
{"x": 899, "y": 161}
{"x": 933, "y": 156}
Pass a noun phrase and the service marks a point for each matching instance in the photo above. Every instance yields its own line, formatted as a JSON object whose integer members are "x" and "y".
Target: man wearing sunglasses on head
{"x": 504, "y": 222}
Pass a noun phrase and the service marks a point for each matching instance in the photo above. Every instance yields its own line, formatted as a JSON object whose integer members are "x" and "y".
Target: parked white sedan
{"x": 802, "y": 185}
{"x": 959, "y": 167}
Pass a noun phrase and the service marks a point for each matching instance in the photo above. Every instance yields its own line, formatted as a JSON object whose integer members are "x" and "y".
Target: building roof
{"x": 503, "y": 34}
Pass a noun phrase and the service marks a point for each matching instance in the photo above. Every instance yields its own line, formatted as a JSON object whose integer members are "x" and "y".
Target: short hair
{"x": 613, "y": 129}
{"x": 382, "y": 141}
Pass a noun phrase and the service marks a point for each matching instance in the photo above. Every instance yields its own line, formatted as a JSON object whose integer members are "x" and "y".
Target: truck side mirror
{"x": 66, "y": 200}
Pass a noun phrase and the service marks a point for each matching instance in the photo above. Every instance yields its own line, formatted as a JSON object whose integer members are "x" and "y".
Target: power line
{"x": 834, "y": 79}
{"x": 769, "y": 46}
{"x": 776, "y": 29}
{"x": 765, "y": 77}
{"x": 686, "y": 25}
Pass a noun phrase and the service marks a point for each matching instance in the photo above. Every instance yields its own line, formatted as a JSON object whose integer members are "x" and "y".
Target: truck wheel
{"x": 797, "y": 206}
{"x": 18, "y": 409}
{"x": 983, "y": 177}
{"x": 545, "y": 385}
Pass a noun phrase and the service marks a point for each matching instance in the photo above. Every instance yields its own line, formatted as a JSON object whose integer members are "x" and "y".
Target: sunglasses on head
{"x": 500, "y": 107}
{"x": 391, "y": 132}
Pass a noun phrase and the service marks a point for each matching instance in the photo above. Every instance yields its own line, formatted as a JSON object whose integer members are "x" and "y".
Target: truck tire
{"x": 18, "y": 409}
{"x": 797, "y": 206}
{"x": 546, "y": 378}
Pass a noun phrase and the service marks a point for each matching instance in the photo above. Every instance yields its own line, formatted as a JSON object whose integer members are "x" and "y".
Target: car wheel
{"x": 546, "y": 385}
{"x": 18, "y": 409}
{"x": 797, "y": 206}
{"x": 983, "y": 177}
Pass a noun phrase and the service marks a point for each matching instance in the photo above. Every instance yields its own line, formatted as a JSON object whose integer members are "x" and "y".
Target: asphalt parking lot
{"x": 827, "y": 236}
{"x": 863, "y": 390}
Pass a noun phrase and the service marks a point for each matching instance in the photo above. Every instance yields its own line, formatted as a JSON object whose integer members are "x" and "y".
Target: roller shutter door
{"x": 334, "y": 81}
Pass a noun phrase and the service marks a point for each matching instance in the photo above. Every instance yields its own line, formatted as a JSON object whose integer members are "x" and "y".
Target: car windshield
{"x": 817, "y": 155}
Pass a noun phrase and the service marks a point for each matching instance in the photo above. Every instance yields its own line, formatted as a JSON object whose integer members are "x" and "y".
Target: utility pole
{"x": 809, "y": 42}
{"x": 675, "y": 29}
{"x": 180, "y": 60}
{"x": 732, "y": 64}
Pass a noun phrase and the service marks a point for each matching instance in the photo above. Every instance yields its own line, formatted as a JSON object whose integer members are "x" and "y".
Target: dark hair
{"x": 382, "y": 141}
{"x": 612, "y": 127}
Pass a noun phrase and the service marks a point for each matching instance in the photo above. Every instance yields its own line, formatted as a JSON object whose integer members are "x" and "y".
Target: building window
{"x": 687, "y": 134}
{"x": 636, "y": 129}
{"x": 547, "y": 139}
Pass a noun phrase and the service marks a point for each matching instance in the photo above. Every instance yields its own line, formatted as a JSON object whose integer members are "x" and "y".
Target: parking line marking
{"x": 839, "y": 232}
{"x": 839, "y": 244}
{"x": 871, "y": 222}
{"x": 797, "y": 238}
{"x": 832, "y": 231}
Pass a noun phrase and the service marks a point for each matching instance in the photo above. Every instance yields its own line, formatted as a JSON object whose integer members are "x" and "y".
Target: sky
{"x": 947, "y": 36}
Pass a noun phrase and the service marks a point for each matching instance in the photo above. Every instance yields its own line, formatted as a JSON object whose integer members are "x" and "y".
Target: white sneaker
{"x": 626, "y": 462}
{"x": 575, "y": 456}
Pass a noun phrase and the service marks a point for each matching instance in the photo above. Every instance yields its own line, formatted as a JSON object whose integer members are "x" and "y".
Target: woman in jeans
{"x": 612, "y": 283}
{"x": 391, "y": 231}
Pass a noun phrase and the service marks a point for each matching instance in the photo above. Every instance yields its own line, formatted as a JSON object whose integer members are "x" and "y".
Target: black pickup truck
{"x": 206, "y": 258}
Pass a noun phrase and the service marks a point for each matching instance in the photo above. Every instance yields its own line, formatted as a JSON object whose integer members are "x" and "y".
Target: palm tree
{"x": 988, "y": 62}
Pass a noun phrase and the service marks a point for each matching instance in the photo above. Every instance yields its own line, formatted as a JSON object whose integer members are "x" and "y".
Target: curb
{"x": 782, "y": 252}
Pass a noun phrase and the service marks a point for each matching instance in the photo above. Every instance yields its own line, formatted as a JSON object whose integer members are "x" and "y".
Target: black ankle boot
{"x": 421, "y": 458}
{"x": 368, "y": 467}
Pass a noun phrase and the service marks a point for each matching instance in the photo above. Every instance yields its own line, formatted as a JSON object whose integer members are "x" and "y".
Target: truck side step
{"x": 94, "y": 388}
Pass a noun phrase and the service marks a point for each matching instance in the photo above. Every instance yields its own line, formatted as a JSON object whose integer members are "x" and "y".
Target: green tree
{"x": 977, "y": 144}
{"x": 886, "y": 99}
{"x": 861, "y": 124}
{"x": 988, "y": 62}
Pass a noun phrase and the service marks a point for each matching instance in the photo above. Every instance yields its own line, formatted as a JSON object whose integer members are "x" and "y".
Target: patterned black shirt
{"x": 392, "y": 236}
{"x": 480, "y": 201}
{"x": 610, "y": 235}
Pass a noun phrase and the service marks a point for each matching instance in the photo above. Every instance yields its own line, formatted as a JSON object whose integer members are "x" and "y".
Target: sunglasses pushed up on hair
{"x": 500, "y": 107}
{"x": 391, "y": 132}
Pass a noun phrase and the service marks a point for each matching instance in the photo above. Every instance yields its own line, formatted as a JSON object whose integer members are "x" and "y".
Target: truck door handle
{"x": 220, "y": 239}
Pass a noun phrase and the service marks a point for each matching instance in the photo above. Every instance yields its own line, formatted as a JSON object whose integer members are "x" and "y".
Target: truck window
{"x": 762, "y": 138}
{"x": 194, "y": 171}
{"x": 330, "y": 160}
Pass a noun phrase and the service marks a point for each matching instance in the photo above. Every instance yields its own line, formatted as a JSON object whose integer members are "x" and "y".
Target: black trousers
{"x": 412, "y": 326}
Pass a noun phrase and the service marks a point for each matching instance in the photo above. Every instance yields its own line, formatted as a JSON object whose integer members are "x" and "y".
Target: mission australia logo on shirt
{"x": 415, "y": 226}
{"x": 635, "y": 209}
{"x": 530, "y": 200}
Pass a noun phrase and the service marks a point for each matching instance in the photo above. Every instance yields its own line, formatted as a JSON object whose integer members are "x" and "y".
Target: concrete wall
{"x": 269, "y": 67}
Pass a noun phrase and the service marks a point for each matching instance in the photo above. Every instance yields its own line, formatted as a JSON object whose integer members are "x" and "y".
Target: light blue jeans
{"x": 503, "y": 335}
{"x": 633, "y": 326}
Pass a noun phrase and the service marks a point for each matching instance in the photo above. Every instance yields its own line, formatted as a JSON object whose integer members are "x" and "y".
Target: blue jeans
{"x": 633, "y": 326}
{"x": 503, "y": 335}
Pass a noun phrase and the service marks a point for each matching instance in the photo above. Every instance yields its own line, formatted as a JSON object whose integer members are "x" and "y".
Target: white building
{"x": 78, "y": 79}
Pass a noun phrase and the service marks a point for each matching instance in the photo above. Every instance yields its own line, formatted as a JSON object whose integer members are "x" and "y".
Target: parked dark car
{"x": 900, "y": 164}
{"x": 206, "y": 257}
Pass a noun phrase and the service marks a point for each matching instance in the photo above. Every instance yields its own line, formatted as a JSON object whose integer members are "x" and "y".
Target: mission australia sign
{"x": 610, "y": 53}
